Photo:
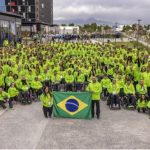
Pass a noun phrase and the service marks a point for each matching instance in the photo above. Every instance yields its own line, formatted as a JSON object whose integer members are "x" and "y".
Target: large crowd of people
{"x": 122, "y": 74}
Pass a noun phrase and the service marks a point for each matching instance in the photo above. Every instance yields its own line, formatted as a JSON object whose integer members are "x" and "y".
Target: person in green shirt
{"x": 24, "y": 89}
{"x": 2, "y": 78}
{"x": 47, "y": 102}
{"x": 129, "y": 92}
{"x": 141, "y": 88}
{"x": 6, "y": 43}
{"x": 36, "y": 88}
{"x": 80, "y": 79}
{"x": 13, "y": 94}
{"x": 148, "y": 106}
{"x": 141, "y": 104}
{"x": 3, "y": 97}
{"x": 9, "y": 79}
{"x": 69, "y": 80}
{"x": 114, "y": 90}
{"x": 148, "y": 81}
{"x": 105, "y": 83}
{"x": 55, "y": 80}
{"x": 96, "y": 89}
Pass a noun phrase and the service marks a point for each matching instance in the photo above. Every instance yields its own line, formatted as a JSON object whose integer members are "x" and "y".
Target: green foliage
{"x": 93, "y": 27}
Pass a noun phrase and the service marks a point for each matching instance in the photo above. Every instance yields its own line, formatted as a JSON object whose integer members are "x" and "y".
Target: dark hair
{"x": 49, "y": 90}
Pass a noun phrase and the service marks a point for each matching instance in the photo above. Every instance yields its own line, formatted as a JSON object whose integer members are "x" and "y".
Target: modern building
{"x": 10, "y": 26}
{"x": 37, "y": 14}
{"x": 64, "y": 29}
{"x": 2, "y": 6}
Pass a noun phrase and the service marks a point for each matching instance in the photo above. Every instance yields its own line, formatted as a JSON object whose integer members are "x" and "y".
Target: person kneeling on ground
{"x": 47, "y": 102}
{"x": 141, "y": 104}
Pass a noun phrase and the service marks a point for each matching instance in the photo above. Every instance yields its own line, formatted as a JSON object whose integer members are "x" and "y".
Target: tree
{"x": 71, "y": 24}
{"x": 127, "y": 28}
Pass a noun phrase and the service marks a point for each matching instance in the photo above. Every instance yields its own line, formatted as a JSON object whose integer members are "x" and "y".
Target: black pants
{"x": 97, "y": 102}
{"x": 114, "y": 99}
{"x": 148, "y": 90}
{"x": 55, "y": 86}
{"x": 10, "y": 102}
{"x": 105, "y": 92}
{"x": 3, "y": 105}
{"x": 69, "y": 87}
{"x": 79, "y": 86}
{"x": 143, "y": 109}
{"x": 47, "y": 111}
{"x": 131, "y": 100}
{"x": 25, "y": 97}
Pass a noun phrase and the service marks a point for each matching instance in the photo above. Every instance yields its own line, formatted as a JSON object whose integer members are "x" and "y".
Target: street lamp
{"x": 138, "y": 33}
{"x": 103, "y": 28}
{"x": 116, "y": 25}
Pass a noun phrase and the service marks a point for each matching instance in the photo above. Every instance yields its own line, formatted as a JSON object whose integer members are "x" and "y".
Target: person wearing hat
{"x": 96, "y": 89}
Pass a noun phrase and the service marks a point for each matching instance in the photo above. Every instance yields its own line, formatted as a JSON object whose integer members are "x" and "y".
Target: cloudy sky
{"x": 122, "y": 11}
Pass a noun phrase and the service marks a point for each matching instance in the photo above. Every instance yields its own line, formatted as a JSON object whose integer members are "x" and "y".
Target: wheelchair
{"x": 129, "y": 102}
{"x": 25, "y": 98}
{"x": 114, "y": 102}
{"x": 79, "y": 87}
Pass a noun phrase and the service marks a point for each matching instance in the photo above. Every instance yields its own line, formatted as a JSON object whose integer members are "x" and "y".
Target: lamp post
{"x": 103, "y": 28}
{"x": 138, "y": 33}
{"x": 116, "y": 25}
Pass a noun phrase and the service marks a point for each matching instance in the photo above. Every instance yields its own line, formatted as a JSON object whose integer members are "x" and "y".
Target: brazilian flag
{"x": 72, "y": 105}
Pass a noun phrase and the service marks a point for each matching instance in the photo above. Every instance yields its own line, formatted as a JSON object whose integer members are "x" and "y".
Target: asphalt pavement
{"x": 25, "y": 127}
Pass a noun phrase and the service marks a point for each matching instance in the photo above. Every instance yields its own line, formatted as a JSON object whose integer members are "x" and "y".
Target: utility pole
{"x": 138, "y": 32}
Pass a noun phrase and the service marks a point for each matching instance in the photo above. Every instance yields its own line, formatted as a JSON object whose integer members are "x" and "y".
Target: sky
{"x": 121, "y": 11}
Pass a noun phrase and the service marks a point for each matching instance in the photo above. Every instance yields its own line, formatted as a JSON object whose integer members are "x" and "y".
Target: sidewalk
{"x": 2, "y": 112}
{"x": 140, "y": 41}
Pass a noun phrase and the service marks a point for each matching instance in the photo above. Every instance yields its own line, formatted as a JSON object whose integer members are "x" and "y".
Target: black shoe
{"x": 98, "y": 117}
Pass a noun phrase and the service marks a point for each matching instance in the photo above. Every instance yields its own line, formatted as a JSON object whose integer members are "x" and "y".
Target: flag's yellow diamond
{"x": 72, "y": 105}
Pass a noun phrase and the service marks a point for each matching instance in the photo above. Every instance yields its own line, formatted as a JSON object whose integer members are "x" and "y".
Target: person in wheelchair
{"x": 142, "y": 104}
{"x": 69, "y": 80}
{"x": 114, "y": 91}
{"x": 23, "y": 87}
{"x": 129, "y": 94}
{"x": 80, "y": 79}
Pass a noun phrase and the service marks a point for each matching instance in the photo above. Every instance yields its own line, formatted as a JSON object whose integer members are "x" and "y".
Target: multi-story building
{"x": 2, "y": 6}
{"x": 37, "y": 14}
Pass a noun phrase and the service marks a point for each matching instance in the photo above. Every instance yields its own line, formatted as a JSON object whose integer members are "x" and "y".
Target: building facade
{"x": 37, "y": 14}
{"x": 10, "y": 26}
{"x": 2, "y": 6}
{"x": 64, "y": 29}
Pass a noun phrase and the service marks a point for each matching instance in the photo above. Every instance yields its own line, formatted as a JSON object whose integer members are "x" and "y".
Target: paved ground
{"x": 25, "y": 127}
